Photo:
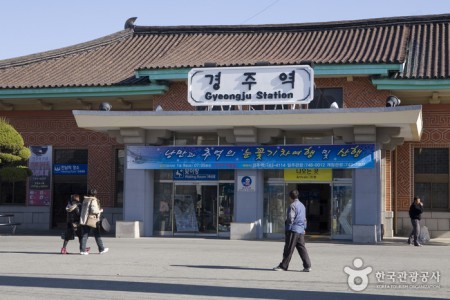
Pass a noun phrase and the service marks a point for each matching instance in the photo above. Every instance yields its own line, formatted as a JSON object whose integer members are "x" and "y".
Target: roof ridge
{"x": 401, "y": 20}
{"x": 56, "y": 53}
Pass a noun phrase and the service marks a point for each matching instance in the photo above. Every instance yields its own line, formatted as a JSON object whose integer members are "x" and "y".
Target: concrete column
{"x": 388, "y": 222}
{"x": 367, "y": 203}
{"x": 138, "y": 198}
{"x": 248, "y": 212}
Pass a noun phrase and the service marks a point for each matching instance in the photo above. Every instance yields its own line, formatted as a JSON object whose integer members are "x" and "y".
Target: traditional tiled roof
{"x": 428, "y": 51}
{"x": 422, "y": 43}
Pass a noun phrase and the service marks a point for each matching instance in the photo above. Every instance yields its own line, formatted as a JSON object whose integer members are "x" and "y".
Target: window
{"x": 431, "y": 180}
{"x": 12, "y": 192}
{"x": 71, "y": 156}
{"x": 226, "y": 174}
{"x": 342, "y": 173}
{"x": 323, "y": 98}
{"x": 273, "y": 174}
{"x": 163, "y": 174}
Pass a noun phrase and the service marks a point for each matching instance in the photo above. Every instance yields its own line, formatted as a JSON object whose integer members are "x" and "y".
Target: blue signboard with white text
{"x": 352, "y": 156}
{"x": 70, "y": 169}
{"x": 195, "y": 174}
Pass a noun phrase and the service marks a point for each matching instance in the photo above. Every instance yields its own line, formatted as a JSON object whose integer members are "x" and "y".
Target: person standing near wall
{"x": 91, "y": 211}
{"x": 415, "y": 213}
{"x": 295, "y": 226}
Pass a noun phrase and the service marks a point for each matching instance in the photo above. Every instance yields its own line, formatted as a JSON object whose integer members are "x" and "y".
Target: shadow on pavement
{"x": 180, "y": 289}
{"x": 222, "y": 267}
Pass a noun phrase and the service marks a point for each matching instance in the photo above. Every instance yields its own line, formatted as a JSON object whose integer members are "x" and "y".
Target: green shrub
{"x": 13, "y": 154}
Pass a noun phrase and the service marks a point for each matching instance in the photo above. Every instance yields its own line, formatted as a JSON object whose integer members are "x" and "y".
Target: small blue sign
{"x": 195, "y": 174}
{"x": 70, "y": 169}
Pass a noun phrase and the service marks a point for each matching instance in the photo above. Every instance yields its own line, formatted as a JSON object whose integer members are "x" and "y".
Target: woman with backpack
{"x": 89, "y": 219}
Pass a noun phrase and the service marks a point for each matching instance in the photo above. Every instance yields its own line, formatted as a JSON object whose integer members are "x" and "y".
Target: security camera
{"x": 105, "y": 106}
{"x": 392, "y": 101}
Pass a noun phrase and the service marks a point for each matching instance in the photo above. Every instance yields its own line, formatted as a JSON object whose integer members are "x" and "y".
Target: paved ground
{"x": 194, "y": 268}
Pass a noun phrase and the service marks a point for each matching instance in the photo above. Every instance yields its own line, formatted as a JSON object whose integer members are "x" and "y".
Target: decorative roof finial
{"x": 129, "y": 24}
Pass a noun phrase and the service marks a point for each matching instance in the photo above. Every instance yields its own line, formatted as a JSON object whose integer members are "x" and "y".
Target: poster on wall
{"x": 246, "y": 184}
{"x": 39, "y": 184}
{"x": 184, "y": 212}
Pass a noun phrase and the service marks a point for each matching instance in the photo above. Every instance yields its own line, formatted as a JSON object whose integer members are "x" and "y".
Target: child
{"x": 73, "y": 209}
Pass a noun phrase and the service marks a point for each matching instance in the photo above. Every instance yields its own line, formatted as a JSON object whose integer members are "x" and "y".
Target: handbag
{"x": 104, "y": 224}
{"x": 92, "y": 221}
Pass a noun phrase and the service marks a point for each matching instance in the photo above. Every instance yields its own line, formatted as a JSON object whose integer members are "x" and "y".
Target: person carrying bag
{"x": 89, "y": 219}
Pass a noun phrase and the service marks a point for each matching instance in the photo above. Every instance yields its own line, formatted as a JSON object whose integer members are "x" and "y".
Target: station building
{"x": 121, "y": 113}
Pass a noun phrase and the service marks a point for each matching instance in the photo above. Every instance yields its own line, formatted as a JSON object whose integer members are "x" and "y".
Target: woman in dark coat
{"x": 73, "y": 210}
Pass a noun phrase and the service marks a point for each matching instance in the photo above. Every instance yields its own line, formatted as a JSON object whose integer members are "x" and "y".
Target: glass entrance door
{"x": 226, "y": 208}
{"x": 275, "y": 205}
{"x": 195, "y": 208}
{"x": 316, "y": 198}
{"x": 341, "y": 210}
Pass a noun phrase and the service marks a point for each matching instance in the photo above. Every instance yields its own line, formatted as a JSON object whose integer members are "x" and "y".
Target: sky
{"x": 33, "y": 26}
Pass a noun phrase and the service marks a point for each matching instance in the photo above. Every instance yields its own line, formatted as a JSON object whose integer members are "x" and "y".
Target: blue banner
{"x": 251, "y": 157}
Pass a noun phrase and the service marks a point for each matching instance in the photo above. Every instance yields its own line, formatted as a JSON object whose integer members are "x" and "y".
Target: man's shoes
{"x": 64, "y": 251}
{"x": 306, "y": 270}
{"x": 418, "y": 245}
{"x": 84, "y": 253}
{"x": 279, "y": 268}
{"x": 104, "y": 251}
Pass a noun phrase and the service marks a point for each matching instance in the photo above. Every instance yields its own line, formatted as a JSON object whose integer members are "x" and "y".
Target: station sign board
{"x": 271, "y": 85}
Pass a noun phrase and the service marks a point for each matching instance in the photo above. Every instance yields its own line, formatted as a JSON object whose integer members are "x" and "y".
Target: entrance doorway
{"x": 74, "y": 181}
{"x": 202, "y": 208}
{"x": 317, "y": 200}
{"x": 63, "y": 187}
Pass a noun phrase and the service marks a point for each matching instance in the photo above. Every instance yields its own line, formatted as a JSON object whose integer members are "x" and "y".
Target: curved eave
{"x": 412, "y": 84}
{"x": 320, "y": 70}
{"x": 407, "y": 118}
{"x": 70, "y": 92}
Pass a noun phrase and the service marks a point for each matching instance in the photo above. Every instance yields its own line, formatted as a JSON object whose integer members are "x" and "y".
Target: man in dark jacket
{"x": 295, "y": 226}
{"x": 415, "y": 213}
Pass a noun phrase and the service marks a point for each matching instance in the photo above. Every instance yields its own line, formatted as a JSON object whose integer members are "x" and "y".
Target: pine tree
{"x": 13, "y": 154}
